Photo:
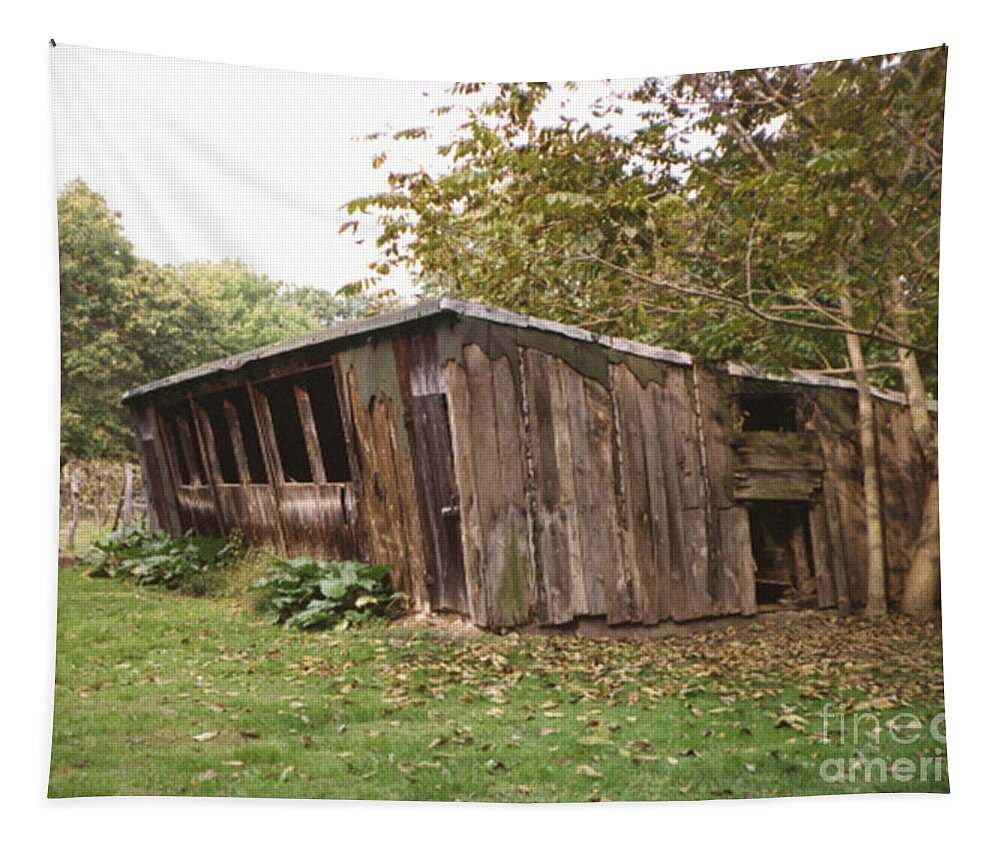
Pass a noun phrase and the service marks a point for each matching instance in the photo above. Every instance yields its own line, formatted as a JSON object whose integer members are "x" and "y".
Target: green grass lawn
{"x": 159, "y": 694}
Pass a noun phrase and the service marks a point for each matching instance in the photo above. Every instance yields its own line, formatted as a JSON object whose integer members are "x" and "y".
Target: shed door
{"x": 430, "y": 442}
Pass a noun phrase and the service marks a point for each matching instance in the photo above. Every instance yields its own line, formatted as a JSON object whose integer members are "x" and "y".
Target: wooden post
{"x": 269, "y": 451}
{"x": 127, "y": 497}
{"x": 74, "y": 505}
{"x": 188, "y": 448}
{"x": 118, "y": 508}
{"x": 206, "y": 443}
{"x": 236, "y": 437}
{"x": 311, "y": 435}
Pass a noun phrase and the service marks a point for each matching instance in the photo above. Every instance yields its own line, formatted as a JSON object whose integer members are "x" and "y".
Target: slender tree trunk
{"x": 74, "y": 506}
{"x": 920, "y": 589}
{"x": 127, "y": 497}
{"x": 876, "y": 606}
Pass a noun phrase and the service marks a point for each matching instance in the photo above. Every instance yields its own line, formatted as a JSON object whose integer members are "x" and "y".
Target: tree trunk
{"x": 876, "y": 605}
{"x": 74, "y": 506}
{"x": 920, "y": 590}
{"x": 127, "y": 497}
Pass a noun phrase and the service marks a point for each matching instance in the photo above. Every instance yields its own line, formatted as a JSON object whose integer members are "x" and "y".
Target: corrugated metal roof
{"x": 435, "y": 307}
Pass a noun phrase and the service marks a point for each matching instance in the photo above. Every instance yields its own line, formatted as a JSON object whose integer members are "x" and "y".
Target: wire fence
{"x": 97, "y": 497}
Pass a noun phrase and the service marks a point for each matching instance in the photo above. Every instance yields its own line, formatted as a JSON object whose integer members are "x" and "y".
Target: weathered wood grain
{"x": 156, "y": 472}
{"x": 426, "y": 416}
{"x": 272, "y": 458}
{"x": 902, "y": 475}
{"x": 777, "y": 466}
{"x": 464, "y": 448}
{"x": 555, "y": 518}
{"x": 490, "y": 466}
{"x": 578, "y": 542}
{"x": 388, "y": 493}
{"x": 431, "y": 451}
{"x": 210, "y": 462}
{"x": 641, "y": 550}
{"x": 308, "y": 422}
{"x": 198, "y": 503}
{"x": 236, "y": 438}
{"x": 822, "y": 553}
{"x": 732, "y": 566}
{"x": 843, "y": 503}
{"x": 687, "y": 575}
{"x": 654, "y": 442}
{"x": 589, "y": 432}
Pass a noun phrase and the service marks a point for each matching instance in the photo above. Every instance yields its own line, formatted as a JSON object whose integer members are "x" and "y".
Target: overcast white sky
{"x": 207, "y": 161}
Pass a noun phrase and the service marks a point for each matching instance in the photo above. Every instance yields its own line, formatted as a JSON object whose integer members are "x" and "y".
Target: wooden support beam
{"x": 236, "y": 438}
{"x": 203, "y": 429}
{"x": 188, "y": 449}
{"x": 269, "y": 451}
{"x": 311, "y": 435}
{"x": 346, "y": 418}
{"x": 206, "y": 439}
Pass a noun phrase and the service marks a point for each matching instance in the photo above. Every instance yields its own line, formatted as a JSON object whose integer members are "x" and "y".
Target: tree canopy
{"x": 750, "y": 215}
{"x": 126, "y": 320}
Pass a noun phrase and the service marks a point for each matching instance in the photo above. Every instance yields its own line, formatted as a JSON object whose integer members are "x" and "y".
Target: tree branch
{"x": 698, "y": 292}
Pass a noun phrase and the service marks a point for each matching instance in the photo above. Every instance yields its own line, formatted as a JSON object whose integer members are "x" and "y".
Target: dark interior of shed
{"x": 771, "y": 412}
{"x": 779, "y": 535}
{"x": 288, "y": 430}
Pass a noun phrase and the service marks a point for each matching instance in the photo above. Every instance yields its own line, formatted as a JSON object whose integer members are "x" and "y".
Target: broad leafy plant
{"x": 153, "y": 558}
{"x": 310, "y": 594}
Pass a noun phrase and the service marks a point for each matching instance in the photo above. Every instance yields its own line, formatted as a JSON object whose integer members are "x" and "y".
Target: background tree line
{"x": 125, "y": 320}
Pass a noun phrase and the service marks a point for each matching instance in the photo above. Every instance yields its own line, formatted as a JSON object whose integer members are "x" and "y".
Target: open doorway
{"x": 779, "y": 534}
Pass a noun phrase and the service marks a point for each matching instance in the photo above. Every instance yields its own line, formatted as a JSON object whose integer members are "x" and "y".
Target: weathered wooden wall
{"x": 902, "y": 473}
{"x": 388, "y": 492}
{"x": 487, "y": 431}
{"x": 517, "y": 477}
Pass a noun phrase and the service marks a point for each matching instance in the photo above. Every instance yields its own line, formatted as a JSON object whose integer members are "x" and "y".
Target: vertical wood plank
{"x": 189, "y": 449}
{"x": 732, "y": 567}
{"x": 388, "y": 493}
{"x": 687, "y": 578}
{"x": 313, "y": 451}
{"x": 516, "y": 580}
{"x": 236, "y": 438}
{"x": 635, "y": 477}
{"x": 463, "y": 430}
{"x": 842, "y": 502}
{"x": 902, "y": 476}
{"x": 269, "y": 451}
{"x": 593, "y": 482}
{"x": 206, "y": 444}
{"x": 418, "y": 372}
{"x": 819, "y": 532}
{"x": 156, "y": 473}
{"x": 502, "y": 565}
{"x": 659, "y": 510}
{"x": 546, "y": 415}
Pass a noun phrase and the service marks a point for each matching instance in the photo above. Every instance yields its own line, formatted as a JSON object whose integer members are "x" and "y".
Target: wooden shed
{"x": 519, "y": 471}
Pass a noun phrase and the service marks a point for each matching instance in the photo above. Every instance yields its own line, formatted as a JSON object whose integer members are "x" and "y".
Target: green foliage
{"x": 126, "y": 321}
{"x": 741, "y": 193}
{"x": 306, "y": 593}
{"x": 153, "y": 558}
